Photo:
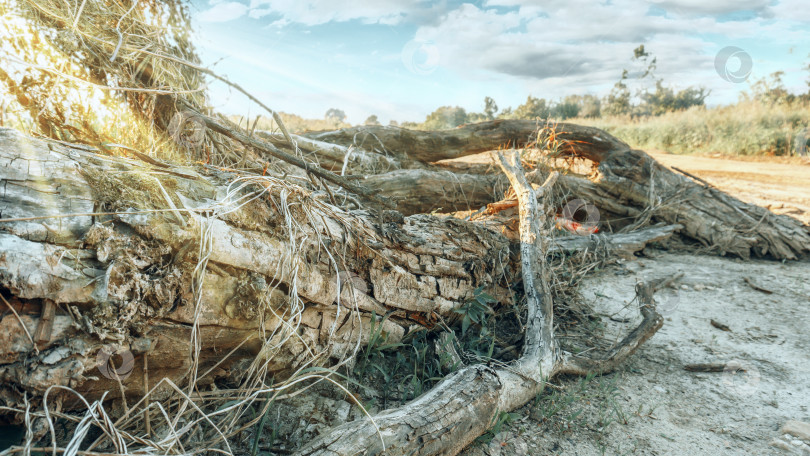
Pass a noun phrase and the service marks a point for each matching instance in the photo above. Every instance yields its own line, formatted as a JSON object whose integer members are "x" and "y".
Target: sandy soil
{"x": 652, "y": 406}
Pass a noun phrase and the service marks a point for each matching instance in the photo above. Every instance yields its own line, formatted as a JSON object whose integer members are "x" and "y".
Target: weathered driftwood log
{"x": 202, "y": 272}
{"x": 627, "y": 184}
{"x": 277, "y": 259}
{"x": 433, "y": 146}
{"x": 457, "y": 410}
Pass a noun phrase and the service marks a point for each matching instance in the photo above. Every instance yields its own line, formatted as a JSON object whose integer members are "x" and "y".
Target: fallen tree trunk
{"x": 205, "y": 274}
{"x": 126, "y": 277}
{"x": 433, "y": 146}
{"x": 460, "y": 408}
{"x": 628, "y": 186}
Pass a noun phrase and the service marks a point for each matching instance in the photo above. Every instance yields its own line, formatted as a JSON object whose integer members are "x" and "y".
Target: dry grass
{"x": 295, "y": 124}
{"x": 748, "y": 128}
{"x": 102, "y": 73}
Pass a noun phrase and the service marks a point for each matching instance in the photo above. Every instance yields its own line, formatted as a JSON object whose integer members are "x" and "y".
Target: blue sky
{"x": 402, "y": 59}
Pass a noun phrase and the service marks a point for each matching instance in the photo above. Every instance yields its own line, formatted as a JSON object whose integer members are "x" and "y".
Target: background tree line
{"x": 637, "y": 95}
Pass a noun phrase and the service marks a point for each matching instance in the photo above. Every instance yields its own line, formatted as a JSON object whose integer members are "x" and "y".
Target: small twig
{"x": 706, "y": 367}
{"x": 720, "y": 326}
{"x": 756, "y": 286}
{"x": 146, "y": 396}
{"x": 171, "y": 204}
{"x": 706, "y": 184}
{"x": 18, "y": 449}
{"x": 118, "y": 30}
{"x": 79, "y": 14}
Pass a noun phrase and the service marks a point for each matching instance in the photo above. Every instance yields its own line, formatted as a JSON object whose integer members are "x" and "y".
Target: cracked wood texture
{"x": 626, "y": 184}
{"x": 457, "y": 410}
{"x": 126, "y": 278}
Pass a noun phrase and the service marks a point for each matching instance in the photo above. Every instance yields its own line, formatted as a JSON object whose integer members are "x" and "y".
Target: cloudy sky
{"x": 401, "y": 59}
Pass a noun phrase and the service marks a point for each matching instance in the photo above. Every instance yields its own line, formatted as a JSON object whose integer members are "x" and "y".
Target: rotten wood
{"x": 43, "y": 333}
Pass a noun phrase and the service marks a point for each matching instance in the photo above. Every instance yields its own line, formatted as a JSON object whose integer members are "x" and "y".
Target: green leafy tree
{"x": 617, "y": 102}
{"x": 372, "y": 120}
{"x": 533, "y": 108}
{"x": 771, "y": 90}
{"x": 589, "y": 105}
{"x": 665, "y": 99}
{"x": 445, "y": 118}
{"x": 490, "y": 108}
{"x": 645, "y": 58}
{"x": 476, "y": 117}
{"x": 569, "y": 107}
{"x": 649, "y": 102}
{"x": 335, "y": 115}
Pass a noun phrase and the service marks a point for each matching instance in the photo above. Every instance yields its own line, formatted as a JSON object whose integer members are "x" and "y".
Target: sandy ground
{"x": 652, "y": 406}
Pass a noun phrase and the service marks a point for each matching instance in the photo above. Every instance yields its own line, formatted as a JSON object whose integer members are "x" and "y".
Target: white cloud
{"x": 713, "y": 7}
{"x": 223, "y": 12}
{"x": 793, "y": 11}
{"x": 316, "y": 12}
{"x": 558, "y": 47}
{"x": 510, "y": 48}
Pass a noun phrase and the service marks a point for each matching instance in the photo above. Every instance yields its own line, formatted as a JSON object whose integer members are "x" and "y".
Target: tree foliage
{"x": 490, "y": 108}
{"x": 335, "y": 115}
{"x": 445, "y": 118}
{"x": 646, "y": 102}
{"x": 771, "y": 90}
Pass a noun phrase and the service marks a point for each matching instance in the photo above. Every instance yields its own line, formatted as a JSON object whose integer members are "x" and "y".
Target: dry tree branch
{"x": 273, "y": 151}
